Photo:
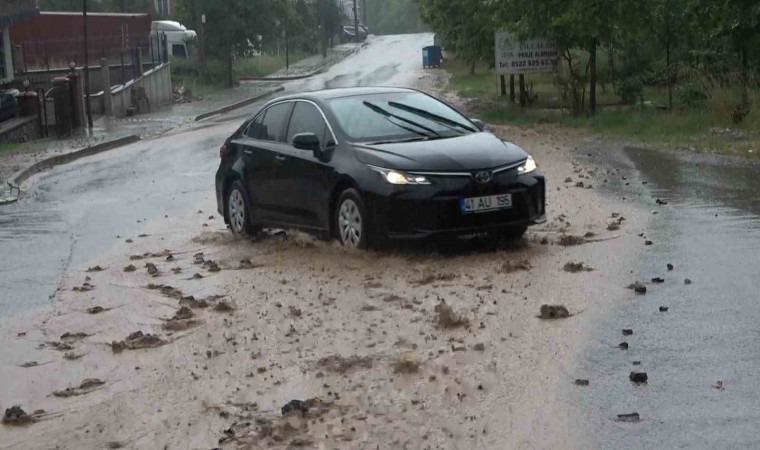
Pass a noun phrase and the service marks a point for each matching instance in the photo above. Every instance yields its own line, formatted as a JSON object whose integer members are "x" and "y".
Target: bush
{"x": 630, "y": 89}
{"x": 692, "y": 95}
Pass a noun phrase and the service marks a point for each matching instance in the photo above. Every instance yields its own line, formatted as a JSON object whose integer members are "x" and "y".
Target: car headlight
{"x": 528, "y": 167}
{"x": 399, "y": 177}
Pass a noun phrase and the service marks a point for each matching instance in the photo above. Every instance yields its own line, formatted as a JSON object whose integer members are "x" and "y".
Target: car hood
{"x": 465, "y": 153}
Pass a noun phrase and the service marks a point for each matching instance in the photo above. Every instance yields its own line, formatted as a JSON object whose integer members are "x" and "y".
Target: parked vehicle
{"x": 348, "y": 33}
{"x": 177, "y": 36}
{"x": 8, "y": 105}
{"x": 367, "y": 164}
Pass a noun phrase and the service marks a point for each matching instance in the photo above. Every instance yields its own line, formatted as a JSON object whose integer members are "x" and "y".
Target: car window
{"x": 269, "y": 126}
{"x": 179, "y": 51}
{"x": 306, "y": 118}
{"x": 397, "y": 116}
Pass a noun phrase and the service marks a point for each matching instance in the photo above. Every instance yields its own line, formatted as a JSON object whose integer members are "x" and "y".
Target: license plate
{"x": 485, "y": 204}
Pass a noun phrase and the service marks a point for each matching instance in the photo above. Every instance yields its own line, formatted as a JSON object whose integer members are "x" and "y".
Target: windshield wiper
{"x": 428, "y": 115}
{"x": 390, "y": 115}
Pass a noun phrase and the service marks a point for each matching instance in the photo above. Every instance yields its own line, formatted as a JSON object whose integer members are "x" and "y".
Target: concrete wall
{"x": 20, "y": 130}
{"x": 155, "y": 83}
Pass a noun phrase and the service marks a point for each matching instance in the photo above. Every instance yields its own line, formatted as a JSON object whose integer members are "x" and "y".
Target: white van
{"x": 177, "y": 36}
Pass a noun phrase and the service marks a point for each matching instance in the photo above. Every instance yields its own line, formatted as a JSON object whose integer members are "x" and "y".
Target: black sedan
{"x": 369, "y": 164}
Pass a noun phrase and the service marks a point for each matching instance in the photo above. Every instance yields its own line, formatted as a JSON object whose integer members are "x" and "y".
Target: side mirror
{"x": 479, "y": 123}
{"x": 307, "y": 141}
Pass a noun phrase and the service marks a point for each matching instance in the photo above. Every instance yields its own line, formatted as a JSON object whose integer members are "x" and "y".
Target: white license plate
{"x": 485, "y": 204}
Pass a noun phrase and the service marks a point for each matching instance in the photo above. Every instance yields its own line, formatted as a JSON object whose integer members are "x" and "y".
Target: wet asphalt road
{"x": 710, "y": 232}
{"x": 74, "y": 212}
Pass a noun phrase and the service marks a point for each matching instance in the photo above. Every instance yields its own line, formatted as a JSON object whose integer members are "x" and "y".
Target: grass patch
{"x": 9, "y": 149}
{"x": 707, "y": 126}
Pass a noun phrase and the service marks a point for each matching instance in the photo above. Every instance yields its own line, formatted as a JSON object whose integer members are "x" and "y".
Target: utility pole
{"x": 87, "y": 67}
{"x": 356, "y": 22}
{"x": 364, "y": 12}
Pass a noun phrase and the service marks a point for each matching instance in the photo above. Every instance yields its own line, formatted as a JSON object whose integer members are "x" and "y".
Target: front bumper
{"x": 409, "y": 212}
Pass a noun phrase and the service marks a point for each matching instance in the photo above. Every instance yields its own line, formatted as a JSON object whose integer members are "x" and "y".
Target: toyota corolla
{"x": 367, "y": 165}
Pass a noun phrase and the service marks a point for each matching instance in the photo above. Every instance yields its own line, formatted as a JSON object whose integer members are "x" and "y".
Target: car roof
{"x": 330, "y": 94}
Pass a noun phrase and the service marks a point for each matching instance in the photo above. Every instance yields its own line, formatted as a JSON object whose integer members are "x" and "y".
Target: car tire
{"x": 239, "y": 210}
{"x": 351, "y": 220}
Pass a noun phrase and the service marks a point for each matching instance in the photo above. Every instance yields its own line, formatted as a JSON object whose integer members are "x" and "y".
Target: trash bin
{"x": 431, "y": 56}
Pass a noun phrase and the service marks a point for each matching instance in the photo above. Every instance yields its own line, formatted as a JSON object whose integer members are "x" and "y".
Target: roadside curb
{"x": 237, "y": 105}
{"x": 49, "y": 163}
{"x": 10, "y": 197}
{"x": 309, "y": 75}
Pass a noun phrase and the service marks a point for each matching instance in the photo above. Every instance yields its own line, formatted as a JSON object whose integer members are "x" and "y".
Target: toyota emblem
{"x": 483, "y": 177}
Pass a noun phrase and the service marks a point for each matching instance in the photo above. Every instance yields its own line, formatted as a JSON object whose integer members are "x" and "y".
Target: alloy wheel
{"x": 237, "y": 211}
{"x": 350, "y": 224}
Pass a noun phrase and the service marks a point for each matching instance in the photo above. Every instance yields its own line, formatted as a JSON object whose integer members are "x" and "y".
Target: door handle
{"x": 280, "y": 159}
{"x": 248, "y": 152}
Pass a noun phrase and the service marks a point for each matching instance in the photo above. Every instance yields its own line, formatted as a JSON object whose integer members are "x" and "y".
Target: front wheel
{"x": 351, "y": 220}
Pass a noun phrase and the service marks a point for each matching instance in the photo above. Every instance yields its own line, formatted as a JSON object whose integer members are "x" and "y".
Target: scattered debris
{"x": 434, "y": 278}
{"x": 627, "y": 331}
{"x": 223, "y": 306}
{"x": 613, "y": 226}
{"x": 183, "y": 313}
{"x": 630, "y": 417}
{"x": 568, "y": 240}
{"x": 661, "y": 202}
{"x": 68, "y": 336}
{"x": 86, "y": 387}
{"x": 181, "y": 324}
{"x": 130, "y": 268}
{"x": 17, "y": 416}
{"x": 658, "y": 280}
{"x": 719, "y": 385}
{"x": 339, "y": 364}
{"x": 648, "y": 242}
{"x": 664, "y": 309}
{"x": 638, "y": 377}
{"x": 623, "y": 346}
{"x": 575, "y": 267}
{"x": 295, "y": 312}
{"x": 152, "y": 269}
{"x": 95, "y": 310}
{"x": 191, "y": 302}
{"x": 581, "y": 382}
{"x": 95, "y": 269}
{"x": 137, "y": 340}
{"x": 196, "y": 276}
{"x": 512, "y": 267}
{"x": 551, "y": 312}
{"x": 86, "y": 287}
{"x": 211, "y": 266}
{"x": 407, "y": 363}
{"x": 247, "y": 264}
{"x": 687, "y": 281}
{"x": 670, "y": 267}
{"x": 71, "y": 356}
{"x": 479, "y": 347}
{"x": 445, "y": 317}
{"x": 639, "y": 288}
{"x": 29, "y": 364}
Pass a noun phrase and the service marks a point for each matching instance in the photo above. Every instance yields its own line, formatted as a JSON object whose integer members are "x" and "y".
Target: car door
{"x": 302, "y": 181}
{"x": 262, "y": 143}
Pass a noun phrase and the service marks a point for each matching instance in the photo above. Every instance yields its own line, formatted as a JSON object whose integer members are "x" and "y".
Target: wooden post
{"x": 503, "y": 80}
{"x": 523, "y": 100}
{"x": 592, "y": 79}
{"x": 512, "y": 88}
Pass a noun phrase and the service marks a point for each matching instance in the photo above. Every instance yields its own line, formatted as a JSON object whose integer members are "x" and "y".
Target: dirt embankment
{"x": 233, "y": 343}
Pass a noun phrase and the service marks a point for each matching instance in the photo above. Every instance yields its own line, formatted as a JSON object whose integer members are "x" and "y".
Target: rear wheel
{"x": 239, "y": 210}
{"x": 351, "y": 220}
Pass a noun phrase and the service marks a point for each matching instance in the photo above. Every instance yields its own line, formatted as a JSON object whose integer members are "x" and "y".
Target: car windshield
{"x": 398, "y": 116}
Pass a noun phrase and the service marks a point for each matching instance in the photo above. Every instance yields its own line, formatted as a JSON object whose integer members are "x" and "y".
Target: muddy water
{"x": 710, "y": 232}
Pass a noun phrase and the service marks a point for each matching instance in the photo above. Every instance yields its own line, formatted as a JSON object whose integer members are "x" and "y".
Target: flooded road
{"x": 75, "y": 211}
{"x": 710, "y": 232}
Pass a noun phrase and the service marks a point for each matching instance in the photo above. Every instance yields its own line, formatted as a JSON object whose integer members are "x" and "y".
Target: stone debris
{"x": 130, "y": 268}
{"x": 183, "y": 313}
{"x": 719, "y": 385}
{"x": 658, "y": 280}
{"x": 95, "y": 269}
{"x": 638, "y": 377}
{"x": 224, "y": 307}
{"x": 86, "y": 387}
{"x": 552, "y": 312}
{"x": 568, "y": 240}
{"x": 445, "y": 317}
{"x": 670, "y": 267}
{"x": 295, "y": 312}
{"x": 431, "y": 278}
{"x": 339, "y": 364}
{"x": 137, "y": 340}
{"x": 648, "y": 242}
{"x": 581, "y": 382}
{"x": 613, "y": 226}
{"x": 95, "y": 310}
{"x": 623, "y": 346}
{"x": 664, "y": 309}
{"x": 17, "y": 416}
{"x": 86, "y": 287}
{"x": 630, "y": 417}
{"x": 627, "y": 332}
{"x": 576, "y": 267}
{"x": 479, "y": 347}
{"x": 638, "y": 287}
{"x": 211, "y": 266}
{"x": 407, "y": 363}
{"x": 152, "y": 269}
{"x": 71, "y": 356}
{"x": 687, "y": 281}
{"x": 512, "y": 267}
